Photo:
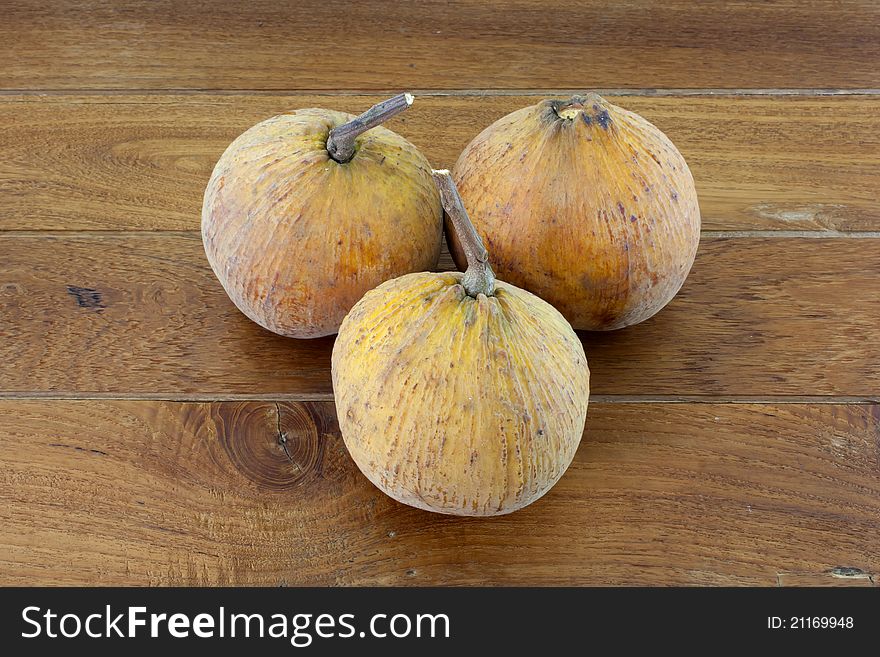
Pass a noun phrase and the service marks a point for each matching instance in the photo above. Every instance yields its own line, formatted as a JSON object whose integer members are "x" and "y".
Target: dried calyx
{"x": 479, "y": 277}
{"x": 590, "y": 108}
{"x": 341, "y": 142}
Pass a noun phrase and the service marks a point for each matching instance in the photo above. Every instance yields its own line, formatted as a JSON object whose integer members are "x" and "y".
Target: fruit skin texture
{"x": 296, "y": 238}
{"x": 594, "y": 211}
{"x": 455, "y": 404}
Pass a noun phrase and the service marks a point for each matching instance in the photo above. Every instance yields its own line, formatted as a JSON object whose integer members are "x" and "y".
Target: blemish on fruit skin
{"x": 603, "y": 119}
{"x": 632, "y": 218}
{"x": 620, "y": 209}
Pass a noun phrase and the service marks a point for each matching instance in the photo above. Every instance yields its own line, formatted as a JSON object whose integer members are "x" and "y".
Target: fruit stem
{"x": 479, "y": 277}
{"x": 340, "y": 143}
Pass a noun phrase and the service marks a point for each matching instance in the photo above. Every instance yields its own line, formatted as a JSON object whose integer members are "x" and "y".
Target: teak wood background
{"x": 149, "y": 434}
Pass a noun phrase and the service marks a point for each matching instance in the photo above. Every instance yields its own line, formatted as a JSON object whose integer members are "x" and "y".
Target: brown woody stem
{"x": 479, "y": 277}
{"x": 340, "y": 143}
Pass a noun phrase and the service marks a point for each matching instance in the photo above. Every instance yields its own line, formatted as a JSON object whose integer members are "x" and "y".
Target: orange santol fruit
{"x": 457, "y": 393}
{"x": 587, "y": 205}
{"x": 307, "y": 211}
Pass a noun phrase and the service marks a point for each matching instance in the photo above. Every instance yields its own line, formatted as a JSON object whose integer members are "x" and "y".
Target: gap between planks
{"x": 325, "y": 397}
{"x": 619, "y": 91}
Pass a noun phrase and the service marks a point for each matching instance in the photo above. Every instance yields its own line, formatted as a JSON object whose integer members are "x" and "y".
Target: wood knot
{"x": 276, "y": 446}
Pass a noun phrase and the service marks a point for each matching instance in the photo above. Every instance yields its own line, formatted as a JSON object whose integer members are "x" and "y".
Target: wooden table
{"x": 732, "y": 439}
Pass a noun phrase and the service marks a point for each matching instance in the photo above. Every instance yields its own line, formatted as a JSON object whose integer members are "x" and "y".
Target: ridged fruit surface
{"x": 585, "y": 204}
{"x": 462, "y": 405}
{"x": 296, "y": 238}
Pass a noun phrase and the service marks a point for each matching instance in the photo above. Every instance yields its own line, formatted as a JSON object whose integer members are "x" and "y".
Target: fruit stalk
{"x": 479, "y": 277}
{"x": 340, "y": 143}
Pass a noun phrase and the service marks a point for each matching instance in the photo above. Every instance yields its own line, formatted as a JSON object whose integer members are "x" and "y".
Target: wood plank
{"x": 130, "y": 492}
{"x": 833, "y": 577}
{"x": 142, "y": 162}
{"x": 515, "y": 44}
{"x": 142, "y": 314}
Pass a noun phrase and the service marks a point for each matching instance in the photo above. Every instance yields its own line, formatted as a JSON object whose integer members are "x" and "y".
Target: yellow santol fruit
{"x": 598, "y": 187}
{"x": 457, "y": 393}
{"x": 307, "y": 211}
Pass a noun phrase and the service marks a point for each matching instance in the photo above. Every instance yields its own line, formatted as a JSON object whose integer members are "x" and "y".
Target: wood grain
{"x": 833, "y": 577}
{"x": 142, "y": 314}
{"x": 516, "y": 44}
{"x": 202, "y": 493}
{"x": 142, "y": 162}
